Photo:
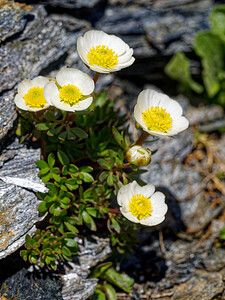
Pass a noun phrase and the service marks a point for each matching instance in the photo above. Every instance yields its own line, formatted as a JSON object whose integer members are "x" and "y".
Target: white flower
{"x": 30, "y": 94}
{"x": 158, "y": 114}
{"x": 138, "y": 156}
{"x": 140, "y": 204}
{"x": 71, "y": 91}
{"x": 104, "y": 53}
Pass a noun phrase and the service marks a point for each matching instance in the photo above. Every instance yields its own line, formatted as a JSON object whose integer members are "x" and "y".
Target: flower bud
{"x": 138, "y": 156}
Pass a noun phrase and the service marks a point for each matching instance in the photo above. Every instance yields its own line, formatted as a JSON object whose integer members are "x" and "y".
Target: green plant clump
{"x": 210, "y": 47}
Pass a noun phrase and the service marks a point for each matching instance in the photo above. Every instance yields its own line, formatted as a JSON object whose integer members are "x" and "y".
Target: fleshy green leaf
{"x": 178, "y": 69}
{"x": 42, "y": 164}
{"x": 98, "y": 295}
{"x": 109, "y": 291}
{"x": 63, "y": 158}
{"x": 79, "y": 132}
{"x": 51, "y": 160}
{"x": 123, "y": 281}
{"x": 43, "y": 126}
{"x": 211, "y": 50}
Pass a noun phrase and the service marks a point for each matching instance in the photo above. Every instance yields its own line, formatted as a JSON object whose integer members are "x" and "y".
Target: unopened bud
{"x": 138, "y": 156}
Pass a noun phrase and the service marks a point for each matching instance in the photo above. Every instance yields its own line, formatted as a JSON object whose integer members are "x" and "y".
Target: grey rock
{"x": 18, "y": 203}
{"x": 71, "y": 4}
{"x": 202, "y": 285}
{"x": 76, "y": 284}
{"x": 204, "y": 114}
{"x": 164, "y": 31}
{"x": 13, "y": 19}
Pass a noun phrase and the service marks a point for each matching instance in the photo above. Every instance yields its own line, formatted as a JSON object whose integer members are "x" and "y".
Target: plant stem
{"x": 43, "y": 147}
{"x": 96, "y": 76}
{"x": 142, "y": 138}
{"x": 114, "y": 210}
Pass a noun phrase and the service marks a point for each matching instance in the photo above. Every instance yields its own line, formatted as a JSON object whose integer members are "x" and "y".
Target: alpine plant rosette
{"x": 158, "y": 114}
{"x": 141, "y": 204}
{"x": 71, "y": 91}
{"x": 30, "y": 95}
{"x": 104, "y": 53}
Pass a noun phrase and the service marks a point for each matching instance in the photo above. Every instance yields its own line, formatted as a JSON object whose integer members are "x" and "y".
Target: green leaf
{"x": 119, "y": 138}
{"x": 87, "y": 177}
{"x": 43, "y": 126}
{"x": 51, "y": 160}
{"x": 100, "y": 99}
{"x": 62, "y": 136}
{"x": 73, "y": 169}
{"x": 66, "y": 251}
{"x": 42, "y": 164}
{"x": 98, "y": 295}
{"x": 109, "y": 291}
{"x": 71, "y": 227}
{"x": 70, "y": 243}
{"x": 110, "y": 179}
{"x": 33, "y": 259}
{"x": 100, "y": 269}
{"x": 63, "y": 158}
{"x": 123, "y": 281}
{"x": 116, "y": 225}
{"x": 43, "y": 206}
{"x": 222, "y": 234}
{"x": 93, "y": 212}
{"x": 103, "y": 176}
{"x": 178, "y": 69}
{"x": 217, "y": 19}
{"x": 88, "y": 220}
{"x": 79, "y": 132}
{"x": 86, "y": 169}
{"x": 104, "y": 163}
{"x": 211, "y": 50}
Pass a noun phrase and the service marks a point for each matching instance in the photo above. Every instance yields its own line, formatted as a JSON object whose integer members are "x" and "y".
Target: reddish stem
{"x": 96, "y": 76}
{"x": 142, "y": 138}
{"x": 114, "y": 210}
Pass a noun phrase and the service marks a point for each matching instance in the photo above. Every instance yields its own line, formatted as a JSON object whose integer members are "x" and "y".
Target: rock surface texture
{"x": 182, "y": 262}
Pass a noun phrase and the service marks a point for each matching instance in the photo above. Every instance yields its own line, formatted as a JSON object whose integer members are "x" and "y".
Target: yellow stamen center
{"x": 70, "y": 94}
{"x": 140, "y": 206}
{"x": 102, "y": 56}
{"x": 157, "y": 119}
{"x": 35, "y": 97}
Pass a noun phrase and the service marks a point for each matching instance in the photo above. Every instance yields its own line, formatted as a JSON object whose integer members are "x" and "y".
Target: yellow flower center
{"x": 102, "y": 56}
{"x": 140, "y": 206}
{"x": 35, "y": 97}
{"x": 157, "y": 119}
{"x": 70, "y": 94}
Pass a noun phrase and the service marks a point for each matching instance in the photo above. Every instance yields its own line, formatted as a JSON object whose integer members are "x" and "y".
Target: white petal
{"x": 19, "y": 101}
{"x": 24, "y": 87}
{"x": 138, "y": 116}
{"x": 51, "y": 93}
{"x": 85, "y": 83}
{"x": 125, "y": 64}
{"x": 81, "y": 49}
{"x": 158, "y": 204}
{"x": 95, "y": 38}
{"x": 75, "y": 77}
{"x": 150, "y": 221}
{"x": 83, "y": 104}
{"x": 40, "y": 81}
{"x": 179, "y": 125}
{"x": 147, "y": 190}
{"x": 118, "y": 45}
{"x": 126, "y": 192}
{"x": 174, "y": 109}
{"x": 148, "y": 98}
{"x": 130, "y": 217}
